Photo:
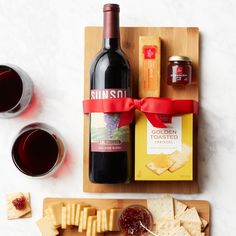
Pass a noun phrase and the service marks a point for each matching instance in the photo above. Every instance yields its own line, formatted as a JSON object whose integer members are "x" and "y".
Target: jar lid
{"x": 179, "y": 58}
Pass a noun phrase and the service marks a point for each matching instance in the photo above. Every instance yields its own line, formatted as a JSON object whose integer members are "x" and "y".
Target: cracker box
{"x": 164, "y": 153}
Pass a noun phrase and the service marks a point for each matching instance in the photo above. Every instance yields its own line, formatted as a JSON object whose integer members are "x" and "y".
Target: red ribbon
{"x": 151, "y": 107}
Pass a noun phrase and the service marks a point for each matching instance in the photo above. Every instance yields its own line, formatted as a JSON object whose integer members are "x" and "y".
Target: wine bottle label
{"x": 105, "y": 134}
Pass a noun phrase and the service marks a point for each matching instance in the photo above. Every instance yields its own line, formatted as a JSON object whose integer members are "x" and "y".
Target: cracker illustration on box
{"x": 180, "y": 158}
{"x": 160, "y": 164}
{"x": 171, "y": 162}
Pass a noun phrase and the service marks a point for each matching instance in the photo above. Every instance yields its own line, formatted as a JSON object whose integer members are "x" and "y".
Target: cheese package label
{"x": 149, "y": 66}
{"x": 164, "y": 153}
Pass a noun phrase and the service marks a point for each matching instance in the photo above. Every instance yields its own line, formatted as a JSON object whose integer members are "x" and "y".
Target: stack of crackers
{"x": 174, "y": 218}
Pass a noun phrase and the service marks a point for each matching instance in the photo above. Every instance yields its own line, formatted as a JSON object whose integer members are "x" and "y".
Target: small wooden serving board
{"x": 174, "y": 41}
{"x": 203, "y": 208}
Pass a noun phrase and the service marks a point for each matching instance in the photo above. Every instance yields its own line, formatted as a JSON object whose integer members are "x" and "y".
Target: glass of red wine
{"x": 16, "y": 91}
{"x": 38, "y": 150}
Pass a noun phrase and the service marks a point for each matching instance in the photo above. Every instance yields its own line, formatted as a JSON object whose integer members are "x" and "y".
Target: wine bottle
{"x": 110, "y": 158}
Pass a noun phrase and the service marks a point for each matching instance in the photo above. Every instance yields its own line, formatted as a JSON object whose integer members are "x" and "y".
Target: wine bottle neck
{"x": 111, "y": 29}
{"x": 111, "y": 43}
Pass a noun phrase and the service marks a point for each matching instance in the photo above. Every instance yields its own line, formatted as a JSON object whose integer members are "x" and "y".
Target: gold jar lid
{"x": 179, "y": 58}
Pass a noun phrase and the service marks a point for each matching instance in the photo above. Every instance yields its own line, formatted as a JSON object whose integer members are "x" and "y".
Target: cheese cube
{"x": 73, "y": 212}
{"x": 80, "y": 228}
{"x": 113, "y": 220}
{"x": 47, "y": 212}
{"x": 68, "y": 212}
{"x": 63, "y": 217}
{"x": 55, "y": 213}
{"x": 99, "y": 221}
{"x": 90, "y": 224}
{"x": 105, "y": 219}
{"x": 88, "y": 211}
{"x": 79, "y": 208}
{"x": 94, "y": 228}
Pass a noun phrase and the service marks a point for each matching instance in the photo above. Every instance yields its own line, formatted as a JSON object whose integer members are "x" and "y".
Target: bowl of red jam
{"x": 135, "y": 220}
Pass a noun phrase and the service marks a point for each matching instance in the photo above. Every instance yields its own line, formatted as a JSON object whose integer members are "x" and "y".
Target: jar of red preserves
{"x": 135, "y": 220}
{"x": 179, "y": 70}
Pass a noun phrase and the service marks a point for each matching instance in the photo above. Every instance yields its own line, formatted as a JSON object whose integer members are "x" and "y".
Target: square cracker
{"x": 179, "y": 208}
{"x": 29, "y": 214}
{"x": 46, "y": 227}
{"x": 194, "y": 228}
{"x": 180, "y": 158}
{"x": 204, "y": 223}
{"x": 166, "y": 226}
{"x": 161, "y": 208}
{"x": 12, "y": 212}
{"x": 193, "y": 232}
{"x": 197, "y": 233}
{"x": 180, "y": 231}
{"x": 190, "y": 215}
{"x": 163, "y": 233}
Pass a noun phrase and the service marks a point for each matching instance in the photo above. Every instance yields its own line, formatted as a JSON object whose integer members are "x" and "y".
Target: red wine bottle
{"x": 110, "y": 147}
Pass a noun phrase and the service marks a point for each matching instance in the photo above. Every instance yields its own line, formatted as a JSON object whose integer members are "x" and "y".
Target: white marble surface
{"x": 45, "y": 37}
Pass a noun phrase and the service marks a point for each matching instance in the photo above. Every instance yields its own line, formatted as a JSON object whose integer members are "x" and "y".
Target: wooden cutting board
{"x": 203, "y": 208}
{"x": 174, "y": 41}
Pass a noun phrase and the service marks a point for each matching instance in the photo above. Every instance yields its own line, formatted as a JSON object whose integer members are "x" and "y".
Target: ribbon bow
{"x": 153, "y": 108}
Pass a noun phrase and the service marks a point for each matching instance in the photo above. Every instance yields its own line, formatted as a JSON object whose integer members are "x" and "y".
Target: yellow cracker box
{"x": 164, "y": 153}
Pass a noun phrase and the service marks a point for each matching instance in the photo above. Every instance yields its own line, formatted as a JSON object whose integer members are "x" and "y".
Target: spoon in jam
{"x": 148, "y": 230}
{"x": 130, "y": 219}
